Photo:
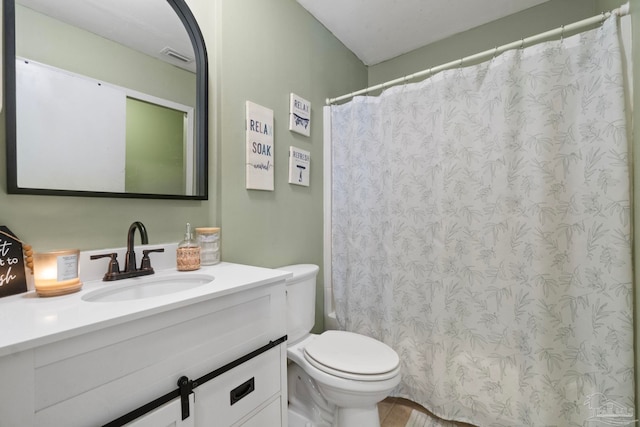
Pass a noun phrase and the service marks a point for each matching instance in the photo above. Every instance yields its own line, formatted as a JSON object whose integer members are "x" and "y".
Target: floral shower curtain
{"x": 481, "y": 227}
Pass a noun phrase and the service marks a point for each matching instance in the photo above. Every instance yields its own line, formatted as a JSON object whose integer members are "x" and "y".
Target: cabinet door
{"x": 168, "y": 415}
{"x": 234, "y": 395}
{"x": 269, "y": 416}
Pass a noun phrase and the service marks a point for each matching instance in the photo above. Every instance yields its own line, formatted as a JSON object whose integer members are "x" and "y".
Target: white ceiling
{"x": 377, "y": 30}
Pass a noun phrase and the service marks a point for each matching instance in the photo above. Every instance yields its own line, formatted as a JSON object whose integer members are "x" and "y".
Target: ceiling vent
{"x": 171, "y": 53}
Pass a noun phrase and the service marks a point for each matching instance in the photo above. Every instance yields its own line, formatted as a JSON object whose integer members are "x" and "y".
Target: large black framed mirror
{"x": 105, "y": 98}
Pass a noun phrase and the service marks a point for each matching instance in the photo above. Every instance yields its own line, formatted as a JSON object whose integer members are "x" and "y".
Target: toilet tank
{"x": 301, "y": 300}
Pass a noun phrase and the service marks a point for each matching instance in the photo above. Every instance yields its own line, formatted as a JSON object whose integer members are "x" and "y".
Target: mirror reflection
{"x": 106, "y": 100}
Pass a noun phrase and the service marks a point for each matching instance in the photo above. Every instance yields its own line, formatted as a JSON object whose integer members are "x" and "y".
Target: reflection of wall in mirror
{"x": 155, "y": 150}
{"x": 56, "y": 106}
{"x": 55, "y": 43}
{"x": 52, "y": 42}
{"x": 115, "y": 139}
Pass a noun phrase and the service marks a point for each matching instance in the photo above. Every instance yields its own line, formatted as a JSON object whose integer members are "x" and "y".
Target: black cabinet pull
{"x": 242, "y": 390}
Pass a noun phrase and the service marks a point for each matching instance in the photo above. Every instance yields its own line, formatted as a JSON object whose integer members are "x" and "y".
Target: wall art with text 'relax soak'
{"x": 259, "y": 139}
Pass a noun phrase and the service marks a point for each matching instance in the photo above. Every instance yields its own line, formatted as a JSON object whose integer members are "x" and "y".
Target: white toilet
{"x": 335, "y": 379}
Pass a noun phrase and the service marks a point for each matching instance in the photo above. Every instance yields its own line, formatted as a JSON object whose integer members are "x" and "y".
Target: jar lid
{"x": 207, "y": 229}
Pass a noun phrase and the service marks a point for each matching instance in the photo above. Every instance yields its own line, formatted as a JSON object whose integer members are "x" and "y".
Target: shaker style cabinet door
{"x": 168, "y": 415}
{"x": 238, "y": 394}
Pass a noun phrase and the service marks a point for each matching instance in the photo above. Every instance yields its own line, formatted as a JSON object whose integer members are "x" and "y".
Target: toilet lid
{"x": 350, "y": 353}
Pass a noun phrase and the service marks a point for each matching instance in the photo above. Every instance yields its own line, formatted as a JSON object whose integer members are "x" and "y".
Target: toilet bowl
{"x": 335, "y": 379}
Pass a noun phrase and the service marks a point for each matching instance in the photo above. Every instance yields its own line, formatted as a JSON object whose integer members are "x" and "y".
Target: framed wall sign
{"x": 299, "y": 115}
{"x": 259, "y": 150}
{"x": 299, "y": 166}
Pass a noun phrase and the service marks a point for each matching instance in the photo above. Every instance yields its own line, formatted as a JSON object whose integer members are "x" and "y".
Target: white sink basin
{"x": 147, "y": 287}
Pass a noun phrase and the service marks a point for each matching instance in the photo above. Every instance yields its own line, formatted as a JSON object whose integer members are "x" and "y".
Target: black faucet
{"x": 130, "y": 269}
{"x": 130, "y": 261}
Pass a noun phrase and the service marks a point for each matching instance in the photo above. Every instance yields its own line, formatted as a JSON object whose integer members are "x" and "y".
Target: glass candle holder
{"x": 209, "y": 241}
{"x": 56, "y": 273}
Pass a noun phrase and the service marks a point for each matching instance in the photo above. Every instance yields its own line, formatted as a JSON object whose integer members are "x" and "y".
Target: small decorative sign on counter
{"x": 300, "y": 115}
{"x": 259, "y": 131}
{"x": 299, "y": 166}
{"x": 12, "y": 273}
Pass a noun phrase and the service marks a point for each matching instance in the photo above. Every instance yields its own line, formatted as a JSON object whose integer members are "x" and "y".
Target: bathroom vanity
{"x": 90, "y": 358}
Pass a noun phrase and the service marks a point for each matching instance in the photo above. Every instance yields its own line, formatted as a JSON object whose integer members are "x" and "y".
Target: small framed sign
{"x": 259, "y": 140}
{"x": 12, "y": 273}
{"x": 299, "y": 166}
{"x": 300, "y": 115}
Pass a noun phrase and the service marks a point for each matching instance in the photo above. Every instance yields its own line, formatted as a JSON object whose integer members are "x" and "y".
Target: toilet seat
{"x": 352, "y": 356}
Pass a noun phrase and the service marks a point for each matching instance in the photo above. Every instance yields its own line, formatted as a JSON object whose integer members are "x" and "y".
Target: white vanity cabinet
{"x": 235, "y": 341}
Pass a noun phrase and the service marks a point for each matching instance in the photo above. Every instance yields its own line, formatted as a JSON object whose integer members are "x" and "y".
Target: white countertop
{"x": 28, "y": 321}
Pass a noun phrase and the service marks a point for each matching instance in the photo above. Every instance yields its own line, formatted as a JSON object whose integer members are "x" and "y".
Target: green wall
{"x": 546, "y": 16}
{"x": 270, "y": 49}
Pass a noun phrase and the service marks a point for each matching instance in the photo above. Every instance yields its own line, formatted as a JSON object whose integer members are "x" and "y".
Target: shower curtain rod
{"x": 576, "y": 26}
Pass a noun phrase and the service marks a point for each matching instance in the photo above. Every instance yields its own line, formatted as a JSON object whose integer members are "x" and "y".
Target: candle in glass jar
{"x": 56, "y": 273}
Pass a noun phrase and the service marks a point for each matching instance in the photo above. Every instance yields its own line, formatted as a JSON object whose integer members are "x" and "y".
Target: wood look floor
{"x": 395, "y": 412}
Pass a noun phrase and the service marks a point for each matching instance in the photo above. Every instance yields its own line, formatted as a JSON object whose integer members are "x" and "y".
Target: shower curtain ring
{"x": 495, "y": 52}
{"x": 522, "y": 43}
{"x": 561, "y": 34}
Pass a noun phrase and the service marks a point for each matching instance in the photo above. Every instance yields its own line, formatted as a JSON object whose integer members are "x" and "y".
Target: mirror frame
{"x": 201, "y": 115}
